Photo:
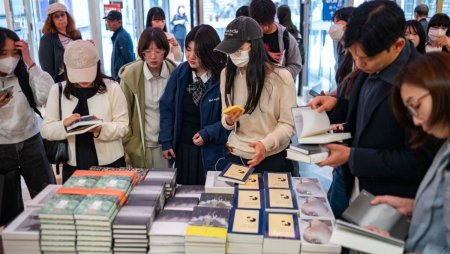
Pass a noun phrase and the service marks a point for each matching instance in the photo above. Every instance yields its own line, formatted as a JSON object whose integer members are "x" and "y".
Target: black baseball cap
{"x": 113, "y": 15}
{"x": 239, "y": 31}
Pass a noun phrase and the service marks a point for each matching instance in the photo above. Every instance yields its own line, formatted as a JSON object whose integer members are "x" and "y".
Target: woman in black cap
{"x": 262, "y": 132}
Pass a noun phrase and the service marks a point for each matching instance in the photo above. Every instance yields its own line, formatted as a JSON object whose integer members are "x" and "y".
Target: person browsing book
{"x": 22, "y": 152}
{"x": 262, "y": 132}
{"x": 421, "y": 101}
{"x": 143, "y": 83}
{"x": 378, "y": 154}
{"x": 190, "y": 129}
{"x": 87, "y": 91}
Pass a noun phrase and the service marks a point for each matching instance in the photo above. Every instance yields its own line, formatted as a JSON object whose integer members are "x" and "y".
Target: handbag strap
{"x": 60, "y": 95}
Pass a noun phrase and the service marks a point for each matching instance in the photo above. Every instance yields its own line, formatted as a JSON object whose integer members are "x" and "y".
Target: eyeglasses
{"x": 157, "y": 52}
{"x": 59, "y": 15}
{"x": 414, "y": 106}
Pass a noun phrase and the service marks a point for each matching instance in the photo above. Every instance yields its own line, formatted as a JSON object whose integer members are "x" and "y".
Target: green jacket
{"x": 132, "y": 83}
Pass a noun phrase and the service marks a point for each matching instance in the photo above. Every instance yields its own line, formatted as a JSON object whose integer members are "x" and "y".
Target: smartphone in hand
{"x": 314, "y": 93}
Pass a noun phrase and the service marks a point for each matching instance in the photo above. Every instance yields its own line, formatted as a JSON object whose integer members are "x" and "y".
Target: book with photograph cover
{"x": 189, "y": 191}
{"x": 281, "y": 200}
{"x": 277, "y": 180}
{"x": 209, "y": 222}
{"x": 216, "y": 200}
{"x": 361, "y": 239}
{"x": 254, "y": 182}
{"x": 314, "y": 207}
{"x": 60, "y": 207}
{"x": 134, "y": 217}
{"x": 383, "y": 216}
{"x": 85, "y": 123}
{"x": 235, "y": 173}
{"x": 96, "y": 207}
{"x": 214, "y": 185}
{"x": 24, "y": 227}
{"x": 179, "y": 203}
{"x": 246, "y": 221}
{"x": 170, "y": 227}
{"x": 313, "y": 127}
{"x": 308, "y": 186}
{"x": 250, "y": 199}
{"x": 281, "y": 233}
{"x": 316, "y": 234}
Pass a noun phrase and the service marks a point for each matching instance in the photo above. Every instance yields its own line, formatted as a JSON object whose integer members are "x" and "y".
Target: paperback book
{"x": 250, "y": 199}
{"x": 281, "y": 233}
{"x": 235, "y": 173}
{"x": 254, "y": 182}
{"x": 277, "y": 180}
{"x": 190, "y": 191}
{"x": 314, "y": 207}
{"x": 96, "y": 207}
{"x": 216, "y": 200}
{"x": 308, "y": 186}
{"x": 60, "y": 207}
{"x": 316, "y": 234}
{"x": 179, "y": 203}
{"x": 281, "y": 200}
{"x": 208, "y": 222}
{"x": 214, "y": 185}
{"x": 83, "y": 125}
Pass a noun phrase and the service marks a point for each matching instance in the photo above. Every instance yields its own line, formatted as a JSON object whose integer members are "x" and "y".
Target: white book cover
{"x": 23, "y": 227}
{"x": 316, "y": 234}
{"x": 314, "y": 207}
{"x": 307, "y": 158}
{"x": 213, "y": 185}
{"x": 171, "y": 222}
{"x": 307, "y": 186}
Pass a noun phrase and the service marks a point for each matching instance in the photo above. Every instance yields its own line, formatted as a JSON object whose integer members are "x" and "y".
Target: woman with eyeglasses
{"x": 421, "y": 101}
{"x": 59, "y": 30}
{"x": 261, "y": 133}
{"x": 144, "y": 82}
{"x": 190, "y": 130}
{"x": 157, "y": 18}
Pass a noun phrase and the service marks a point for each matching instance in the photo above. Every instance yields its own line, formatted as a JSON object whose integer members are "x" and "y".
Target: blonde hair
{"x": 71, "y": 30}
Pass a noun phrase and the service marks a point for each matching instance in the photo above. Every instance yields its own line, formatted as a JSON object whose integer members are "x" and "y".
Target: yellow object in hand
{"x": 232, "y": 109}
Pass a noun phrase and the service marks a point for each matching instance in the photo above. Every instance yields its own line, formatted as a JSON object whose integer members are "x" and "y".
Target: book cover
{"x": 281, "y": 199}
{"x": 23, "y": 227}
{"x": 277, "y": 180}
{"x": 245, "y": 221}
{"x": 358, "y": 238}
{"x": 254, "y": 182}
{"x": 171, "y": 222}
{"x": 383, "y": 216}
{"x": 209, "y": 222}
{"x": 189, "y": 191}
{"x": 316, "y": 231}
{"x": 118, "y": 182}
{"x": 60, "y": 207}
{"x": 96, "y": 207}
{"x": 307, "y": 158}
{"x": 214, "y": 185}
{"x": 81, "y": 181}
{"x": 251, "y": 199}
{"x": 312, "y": 127}
{"x": 134, "y": 217}
{"x": 308, "y": 186}
{"x": 314, "y": 207}
{"x": 235, "y": 173}
{"x": 281, "y": 225}
{"x": 180, "y": 203}
{"x": 216, "y": 200}
{"x": 308, "y": 149}
{"x": 84, "y": 122}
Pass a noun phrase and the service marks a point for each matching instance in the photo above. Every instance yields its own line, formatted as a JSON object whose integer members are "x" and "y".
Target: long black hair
{"x": 98, "y": 81}
{"x": 155, "y": 13}
{"x": 21, "y": 71}
{"x": 418, "y": 29}
{"x": 257, "y": 67}
{"x": 284, "y": 17}
{"x": 206, "y": 39}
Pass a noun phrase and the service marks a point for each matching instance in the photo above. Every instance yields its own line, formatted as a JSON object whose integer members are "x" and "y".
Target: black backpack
{"x": 299, "y": 44}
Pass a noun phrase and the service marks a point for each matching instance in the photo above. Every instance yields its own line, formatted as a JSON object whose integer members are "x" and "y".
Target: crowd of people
{"x": 157, "y": 111}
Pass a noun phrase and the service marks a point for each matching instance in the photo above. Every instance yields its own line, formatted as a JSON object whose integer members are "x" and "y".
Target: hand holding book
{"x": 339, "y": 155}
{"x": 403, "y": 205}
{"x": 323, "y": 103}
{"x": 71, "y": 119}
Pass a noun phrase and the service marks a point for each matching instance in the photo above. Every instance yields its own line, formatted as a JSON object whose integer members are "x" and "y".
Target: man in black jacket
{"x": 379, "y": 154}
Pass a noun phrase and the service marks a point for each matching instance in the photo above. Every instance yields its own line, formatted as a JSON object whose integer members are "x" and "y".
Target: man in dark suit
{"x": 421, "y": 15}
{"x": 379, "y": 154}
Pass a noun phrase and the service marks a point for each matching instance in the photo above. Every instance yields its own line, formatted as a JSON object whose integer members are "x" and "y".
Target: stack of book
{"x": 207, "y": 230}
{"x": 279, "y": 194}
{"x": 307, "y": 153}
{"x": 168, "y": 231}
{"x": 131, "y": 228}
{"x": 214, "y": 185}
{"x": 119, "y": 181}
{"x": 147, "y": 195}
{"x": 93, "y": 218}
{"x": 245, "y": 231}
{"x": 190, "y": 191}
{"x": 140, "y": 172}
{"x": 166, "y": 176}
{"x": 216, "y": 200}
{"x": 21, "y": 236}
{"x": 180, "y": 203}
{"x": 58, "y": 232}
{"x": 316, "y": 217}
{"x": 281, "y": 233}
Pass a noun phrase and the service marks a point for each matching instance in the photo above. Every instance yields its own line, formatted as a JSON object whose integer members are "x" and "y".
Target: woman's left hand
{"x": 198, "y": 140}
{"x": 442, "y": 41}
{"x": 173, "y": 41}
{"x": 23, "y": 47}
{"x": 260, "y": 154}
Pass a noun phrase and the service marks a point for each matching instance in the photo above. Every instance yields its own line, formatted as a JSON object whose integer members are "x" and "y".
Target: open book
{"x": 85, "y": 124}
{"x": 382, "y": 216}
{"x": 358, "y": 238}
{"x": 313, "y": 127}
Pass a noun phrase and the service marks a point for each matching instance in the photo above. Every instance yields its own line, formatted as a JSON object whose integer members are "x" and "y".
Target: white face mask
{"x": 436, "y": 31}
{"x": 8, "y": 64}
{"x": 336, "y": 31}
{"x": 240, "y": 58}
{"x": 181, "y": 10}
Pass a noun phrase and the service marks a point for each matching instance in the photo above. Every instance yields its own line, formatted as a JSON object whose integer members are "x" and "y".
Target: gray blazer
{"x": 430, "y": 226}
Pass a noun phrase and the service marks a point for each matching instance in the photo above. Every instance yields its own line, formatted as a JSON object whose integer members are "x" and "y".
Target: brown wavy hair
{"x": 432, "y": 73}
{"x": 50, "y": 28}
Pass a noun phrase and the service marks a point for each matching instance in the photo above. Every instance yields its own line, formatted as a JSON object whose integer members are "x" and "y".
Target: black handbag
{"x": 57, "y": 150}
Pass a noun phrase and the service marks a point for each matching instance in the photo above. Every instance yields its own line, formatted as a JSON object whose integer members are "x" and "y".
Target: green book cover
{"x": 81, "y": 182}
{"x": 119, "y": 182}
{"x": 60, "y": 207}
{"x": 96, "y": 207}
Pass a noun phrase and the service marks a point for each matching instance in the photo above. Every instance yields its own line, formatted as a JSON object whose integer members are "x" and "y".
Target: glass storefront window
{"x": 446, "y": 7}
{"x": 2, "y": 16}
{"x": 170, "y": 10}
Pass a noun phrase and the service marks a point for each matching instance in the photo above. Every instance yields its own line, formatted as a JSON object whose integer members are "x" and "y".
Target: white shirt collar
{"x": 204, "y": 77}
{"x": 148, "y": 74}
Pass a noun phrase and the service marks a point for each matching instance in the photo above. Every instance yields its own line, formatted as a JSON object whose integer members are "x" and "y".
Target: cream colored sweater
{"x": 271, "y": 121}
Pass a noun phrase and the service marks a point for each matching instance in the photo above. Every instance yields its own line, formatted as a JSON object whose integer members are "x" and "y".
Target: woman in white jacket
{"x": 24, "y": 86}
{"x": 87, "y": 91}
